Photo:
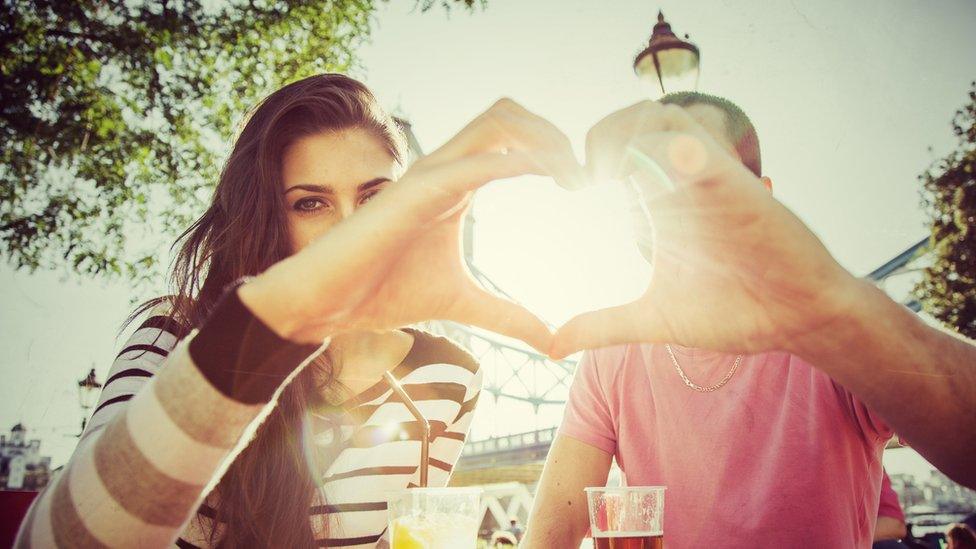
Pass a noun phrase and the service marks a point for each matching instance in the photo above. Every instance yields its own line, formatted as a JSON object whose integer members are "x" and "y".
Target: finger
{"x": 561, "y": 166}
{"x": 664, "y": 160}
{"x": 485, "y": 310}
{"x": 607, "y": 140}
{"x": 524, "y": 131}
{"x": 641, "y": 223}
{"x": 478, "y": 135}
{"x": 440, "y": 191}
{"x": 473, "y": 172}
{"x": 566, "y": 171}
{"x": 646, "y": 176}
{"x": 631, "y": 323}
{"x": 509, "y": 127}
{"x": 613, "y": 145}
{"x": 501, "y": 126}
{"x": 555, "y": 153}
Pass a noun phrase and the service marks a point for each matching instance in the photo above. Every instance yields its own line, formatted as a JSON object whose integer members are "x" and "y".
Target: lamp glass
{"x": 679, "y": 72}
{"x": 677, "y": 62}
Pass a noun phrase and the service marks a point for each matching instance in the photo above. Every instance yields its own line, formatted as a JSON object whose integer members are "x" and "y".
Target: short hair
{"x": 739, "y": 128}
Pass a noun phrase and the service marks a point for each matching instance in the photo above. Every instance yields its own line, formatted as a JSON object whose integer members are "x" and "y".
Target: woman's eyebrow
{"x": 372, "y": 183}
{"x": 325, "y": 189}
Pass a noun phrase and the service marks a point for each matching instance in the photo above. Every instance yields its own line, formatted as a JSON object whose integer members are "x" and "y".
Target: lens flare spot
{"x": 390, "y": 431}
{"x": 687, "y": 155}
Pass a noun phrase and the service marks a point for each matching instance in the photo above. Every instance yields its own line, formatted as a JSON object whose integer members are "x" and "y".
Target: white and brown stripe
{"x": 161, "y": 434}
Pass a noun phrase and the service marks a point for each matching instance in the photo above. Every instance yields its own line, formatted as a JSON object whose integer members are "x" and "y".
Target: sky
{"x": 847, "y": 97}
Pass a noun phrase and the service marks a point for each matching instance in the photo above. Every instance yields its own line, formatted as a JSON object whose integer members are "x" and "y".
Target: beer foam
{"x": 628, "y": 533}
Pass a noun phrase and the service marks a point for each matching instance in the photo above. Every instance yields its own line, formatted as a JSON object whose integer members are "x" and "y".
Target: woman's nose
{"x": 346, "y": 208}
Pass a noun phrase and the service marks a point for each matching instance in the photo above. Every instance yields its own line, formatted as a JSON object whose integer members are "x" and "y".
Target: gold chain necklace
{"x": 691, "y": 384}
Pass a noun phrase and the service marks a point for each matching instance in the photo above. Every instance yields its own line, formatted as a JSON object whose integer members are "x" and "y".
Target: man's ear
{"x": 767, "y": 182}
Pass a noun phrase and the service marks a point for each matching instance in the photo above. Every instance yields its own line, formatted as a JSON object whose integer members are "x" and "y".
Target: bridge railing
{"x": 542, "y": 437}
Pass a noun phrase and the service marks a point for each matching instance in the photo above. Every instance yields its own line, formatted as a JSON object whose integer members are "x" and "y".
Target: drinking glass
{"x": 628, "y": 517}
{"x": 435, "y": 518}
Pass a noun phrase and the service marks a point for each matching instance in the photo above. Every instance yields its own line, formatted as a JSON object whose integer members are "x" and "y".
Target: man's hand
{"x": 733, "y": 269}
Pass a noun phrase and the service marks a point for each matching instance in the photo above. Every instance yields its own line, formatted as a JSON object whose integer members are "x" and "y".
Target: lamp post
{"x": 88, "y": 389}
{"x": 668, "y": 63}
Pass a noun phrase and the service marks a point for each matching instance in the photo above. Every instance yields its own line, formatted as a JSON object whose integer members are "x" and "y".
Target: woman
{"x": 231, "y": 387}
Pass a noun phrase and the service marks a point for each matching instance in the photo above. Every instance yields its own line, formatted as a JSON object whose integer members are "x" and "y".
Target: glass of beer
{"x": 434, "y": 518}
{"x": 628, "y": 517}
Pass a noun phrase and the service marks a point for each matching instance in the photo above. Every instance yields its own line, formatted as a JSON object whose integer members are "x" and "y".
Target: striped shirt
{"x": 161, "y": 436}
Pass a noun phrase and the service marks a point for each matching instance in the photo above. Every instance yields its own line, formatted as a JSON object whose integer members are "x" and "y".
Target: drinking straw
{"x": 425, "y": 441}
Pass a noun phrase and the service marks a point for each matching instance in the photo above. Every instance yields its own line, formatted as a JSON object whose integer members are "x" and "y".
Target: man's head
{"x": 729, "y": 126}
{"x": 725, "y": 121}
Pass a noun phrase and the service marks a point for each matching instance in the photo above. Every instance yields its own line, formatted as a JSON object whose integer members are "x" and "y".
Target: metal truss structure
{"x": 502, "y": 502}
{"x": 512, "y": 370}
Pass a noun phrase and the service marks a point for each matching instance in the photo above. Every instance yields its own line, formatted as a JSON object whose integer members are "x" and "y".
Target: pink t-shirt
{"x": 889, "y": 506}
{"x": 781, "y": 456}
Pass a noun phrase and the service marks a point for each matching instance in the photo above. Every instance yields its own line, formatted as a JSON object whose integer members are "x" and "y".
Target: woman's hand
{"x": 398, "y": 260}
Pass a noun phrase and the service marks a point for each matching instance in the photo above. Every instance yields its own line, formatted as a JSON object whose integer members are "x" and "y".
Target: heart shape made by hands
{"x": 557, "y": 253}
{"x": 731, "y": 269}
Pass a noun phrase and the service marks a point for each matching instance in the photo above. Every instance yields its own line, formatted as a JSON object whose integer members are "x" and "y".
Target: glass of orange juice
{"x": 434, "y": 518}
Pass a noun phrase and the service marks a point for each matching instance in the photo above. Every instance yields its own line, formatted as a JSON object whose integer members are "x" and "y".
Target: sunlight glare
{"x": 559, "y": 253}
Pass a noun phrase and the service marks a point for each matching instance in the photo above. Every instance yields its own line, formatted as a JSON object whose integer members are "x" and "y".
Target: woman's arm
{"x": 138, "y": 480}
{"x": 140, "y": 359}
{"x": 445, "y": 449}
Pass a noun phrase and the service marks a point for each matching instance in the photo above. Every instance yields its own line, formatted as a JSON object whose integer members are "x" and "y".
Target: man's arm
{"x": 559, "y": 515}
{"x": 763, "y": 281}
{"x": 889, "y": 528}
{"x": 920, "y": 380}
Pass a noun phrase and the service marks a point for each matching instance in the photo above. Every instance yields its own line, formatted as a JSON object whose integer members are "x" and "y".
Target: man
{"x": 515, "y": 528}
{"x": 776, "y": 440}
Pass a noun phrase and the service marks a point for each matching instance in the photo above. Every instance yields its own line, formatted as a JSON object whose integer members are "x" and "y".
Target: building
{"x": 22, "y": 467}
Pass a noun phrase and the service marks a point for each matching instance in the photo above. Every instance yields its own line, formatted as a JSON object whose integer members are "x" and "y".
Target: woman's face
{"x": 327, "y": 176}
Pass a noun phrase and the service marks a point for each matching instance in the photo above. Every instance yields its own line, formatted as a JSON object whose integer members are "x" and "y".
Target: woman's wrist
{"x": 241, "y": 355}
{"x": 267, "y": 305}
{"x": 275, "y": 299}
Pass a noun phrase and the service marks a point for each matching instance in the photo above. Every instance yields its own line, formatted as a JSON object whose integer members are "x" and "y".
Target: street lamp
{"x": 88, "y": 389}
{"x": 668, "y": 63}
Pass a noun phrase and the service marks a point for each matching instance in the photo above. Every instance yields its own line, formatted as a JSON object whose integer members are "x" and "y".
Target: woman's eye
{"x": 309, "y": 205}
{"x": 367, "y": 197}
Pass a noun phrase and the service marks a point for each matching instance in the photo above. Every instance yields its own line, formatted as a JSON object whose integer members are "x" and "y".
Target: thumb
{"x": 477, "y": 307}
{"x": 631, "y": 323}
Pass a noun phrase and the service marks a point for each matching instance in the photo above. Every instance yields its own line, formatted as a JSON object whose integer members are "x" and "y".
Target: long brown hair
{"x": 263, "y": 499}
